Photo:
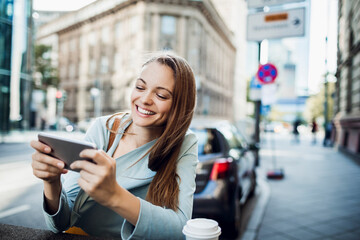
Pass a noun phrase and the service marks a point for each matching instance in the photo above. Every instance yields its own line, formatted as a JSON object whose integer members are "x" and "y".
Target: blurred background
{"x": 64, "y": 63}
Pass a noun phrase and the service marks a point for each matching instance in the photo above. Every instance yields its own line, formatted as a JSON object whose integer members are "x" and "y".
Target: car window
{"x": 241, "y": 138}
{"x": 208, "y": 142}
{"x": 231, "y": 136}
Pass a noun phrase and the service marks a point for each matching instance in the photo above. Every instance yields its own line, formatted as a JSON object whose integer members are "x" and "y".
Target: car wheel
{"x": 232, "y": 227}
{"x": 253, "y": 184}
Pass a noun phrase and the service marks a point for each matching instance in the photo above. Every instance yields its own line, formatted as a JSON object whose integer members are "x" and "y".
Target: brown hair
{"x": 164, "y": 188}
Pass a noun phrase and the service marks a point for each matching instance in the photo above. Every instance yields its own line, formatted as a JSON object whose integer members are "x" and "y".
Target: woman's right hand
{"x": 44, "y": 166}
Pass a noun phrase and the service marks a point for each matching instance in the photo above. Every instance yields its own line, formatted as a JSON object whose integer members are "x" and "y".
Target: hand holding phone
{"x": 67, "y": 150}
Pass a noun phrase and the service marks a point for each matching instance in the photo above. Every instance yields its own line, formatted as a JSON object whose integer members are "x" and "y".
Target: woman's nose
{"x": 146, "y": 98}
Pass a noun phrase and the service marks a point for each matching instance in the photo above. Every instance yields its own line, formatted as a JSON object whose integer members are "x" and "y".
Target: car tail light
{"x": 220, "y": 168}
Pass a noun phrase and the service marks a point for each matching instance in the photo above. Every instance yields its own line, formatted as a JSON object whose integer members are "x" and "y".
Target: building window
{"x": 168, "y": 32}
{"x": 72, "y": 45}
{"x": 196, "y": 46}
{"x": 105, "y": 34}
{"x": 63, "y": 72}
{"x": 168, "y": 25}
{"x": 118, "y": 62}
{"x": 72, "y": 70}
{"x": 118, "y": 30}
{"x": 133, "y": 24}
{"x": 104, "y": 65}
{"x": 64, "y": 47}
{"x": 92, "y": 67}
{"x": 349, "y": 90}
{"x": 83, "y": 41}
{"x": 92, "y": 38}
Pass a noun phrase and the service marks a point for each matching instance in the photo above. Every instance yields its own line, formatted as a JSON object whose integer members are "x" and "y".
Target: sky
{"x": 62, "y": 5}
{"x": 323, "y": 23}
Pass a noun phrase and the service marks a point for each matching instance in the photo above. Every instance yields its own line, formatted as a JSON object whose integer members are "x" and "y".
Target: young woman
{"x": 143, "y": 186}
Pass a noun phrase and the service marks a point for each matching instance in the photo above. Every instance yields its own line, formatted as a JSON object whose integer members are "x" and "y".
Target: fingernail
{"x": 60, "y": 164}
{"x": 47, "y": 149}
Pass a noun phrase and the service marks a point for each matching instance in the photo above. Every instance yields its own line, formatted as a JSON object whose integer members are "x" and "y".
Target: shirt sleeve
{"x": 60, "y": 221}
{"x": 156, "y": 222}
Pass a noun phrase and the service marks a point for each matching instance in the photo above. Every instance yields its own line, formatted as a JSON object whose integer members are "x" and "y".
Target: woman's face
{"x": 152, "y": 96}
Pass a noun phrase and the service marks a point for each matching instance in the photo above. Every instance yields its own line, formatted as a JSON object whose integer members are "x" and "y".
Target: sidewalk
{"x": 28, "y": 135}
{"x": 319, "y": 198}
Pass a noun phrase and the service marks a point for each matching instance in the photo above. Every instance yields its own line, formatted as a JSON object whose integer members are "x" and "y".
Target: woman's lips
{"x": 144, "y": 111}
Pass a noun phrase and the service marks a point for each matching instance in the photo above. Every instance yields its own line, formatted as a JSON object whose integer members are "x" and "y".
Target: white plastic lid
{"x": 202, "y": 228}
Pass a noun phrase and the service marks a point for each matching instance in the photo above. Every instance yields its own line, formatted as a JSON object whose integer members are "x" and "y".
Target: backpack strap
{"x": 114, "y": 129}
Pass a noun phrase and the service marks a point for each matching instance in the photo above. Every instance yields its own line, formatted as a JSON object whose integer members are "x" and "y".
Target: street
{"x": 20, "y": 190}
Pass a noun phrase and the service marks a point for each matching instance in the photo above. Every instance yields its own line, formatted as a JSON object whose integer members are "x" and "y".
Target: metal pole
{"x": 257, "y": 117}
{"x": 326, "y": 120}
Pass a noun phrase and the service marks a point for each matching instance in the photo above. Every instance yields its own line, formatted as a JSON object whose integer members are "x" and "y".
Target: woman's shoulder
{"x": 190, "y": 140}
{"x": 101, "y": 124}
{"x": 109, "y": 119}
{"x": 190, "y": 136}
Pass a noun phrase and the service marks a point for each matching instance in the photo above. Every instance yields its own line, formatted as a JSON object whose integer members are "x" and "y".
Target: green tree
{"x": 45, "y": 74}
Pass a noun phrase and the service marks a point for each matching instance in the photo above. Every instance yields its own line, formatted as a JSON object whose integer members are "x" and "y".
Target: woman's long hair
{"x": 164, "y": 188}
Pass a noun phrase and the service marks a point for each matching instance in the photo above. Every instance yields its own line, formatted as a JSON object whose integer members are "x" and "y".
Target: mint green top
{"x": 76, "y": 208}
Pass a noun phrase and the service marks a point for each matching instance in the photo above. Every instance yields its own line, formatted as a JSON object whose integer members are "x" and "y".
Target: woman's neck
{"x": 143, "y": 135}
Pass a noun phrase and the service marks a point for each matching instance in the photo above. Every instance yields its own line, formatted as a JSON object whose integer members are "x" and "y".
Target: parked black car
{"x": 225, "y": 175}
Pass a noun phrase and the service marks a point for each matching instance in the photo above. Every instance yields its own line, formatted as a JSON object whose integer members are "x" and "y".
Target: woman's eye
{"x": 139, "y": 87}
{"x": 161, "y": 96}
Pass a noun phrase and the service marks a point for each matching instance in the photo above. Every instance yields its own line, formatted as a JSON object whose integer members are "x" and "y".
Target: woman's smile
{"x": 144, "y": 111}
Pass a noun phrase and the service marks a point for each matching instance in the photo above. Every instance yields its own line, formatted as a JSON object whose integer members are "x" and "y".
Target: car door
{"x": 239, "y": 153}
{"x": 249, "y": 164}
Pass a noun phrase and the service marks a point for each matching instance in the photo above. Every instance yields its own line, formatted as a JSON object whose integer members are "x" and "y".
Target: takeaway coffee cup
{"x": 202, "y": 229}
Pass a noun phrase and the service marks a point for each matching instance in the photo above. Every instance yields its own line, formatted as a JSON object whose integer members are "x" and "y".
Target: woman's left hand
{"x": 98, "y": 180}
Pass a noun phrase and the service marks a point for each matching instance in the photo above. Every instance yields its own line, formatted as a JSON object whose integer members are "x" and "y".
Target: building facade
{"x": 15, "y": 64}
{"x": 101, "y": 48}
{"x": 234, "y": 13}
{"x": 347, "y": 95}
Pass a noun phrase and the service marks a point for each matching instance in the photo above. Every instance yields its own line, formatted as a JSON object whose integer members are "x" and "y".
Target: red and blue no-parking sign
{"x": 267, "y": 73}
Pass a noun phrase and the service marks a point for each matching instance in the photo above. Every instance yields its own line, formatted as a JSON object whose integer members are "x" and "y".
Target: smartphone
{"x": 67, "y": 150}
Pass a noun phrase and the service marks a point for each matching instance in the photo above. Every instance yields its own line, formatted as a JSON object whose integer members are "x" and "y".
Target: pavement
{"x": 318, "y": 198}
{"x": 19, "y": 136}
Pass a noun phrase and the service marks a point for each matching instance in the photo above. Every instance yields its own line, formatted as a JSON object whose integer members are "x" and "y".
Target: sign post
{"x": 271, "y": 25}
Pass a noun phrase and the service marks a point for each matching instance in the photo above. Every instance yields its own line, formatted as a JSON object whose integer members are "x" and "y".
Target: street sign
{"x": 263, "y": 3}
{"x": 265, "y": 110}
{"x": 267, "y": 73}
{"x": 279, "y": 24}
{"x": 255, "y": 89}
{"x": 268, "y": 94}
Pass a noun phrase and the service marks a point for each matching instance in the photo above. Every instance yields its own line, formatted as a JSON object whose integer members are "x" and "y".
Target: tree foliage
{"x": 46, "y": 74}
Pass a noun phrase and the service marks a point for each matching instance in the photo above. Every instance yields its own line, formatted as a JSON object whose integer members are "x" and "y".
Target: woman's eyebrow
{"x": 142, "y": 80}
{"x": 162, "y": 88}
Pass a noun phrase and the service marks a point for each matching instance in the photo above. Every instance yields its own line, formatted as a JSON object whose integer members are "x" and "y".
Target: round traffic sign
{"x": 267, "y": 73}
